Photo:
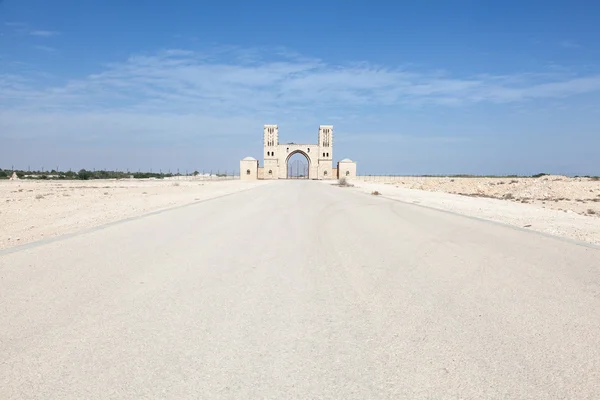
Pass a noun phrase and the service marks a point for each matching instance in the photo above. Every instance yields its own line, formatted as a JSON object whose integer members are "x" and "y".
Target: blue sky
{"x": 411, "y": 87}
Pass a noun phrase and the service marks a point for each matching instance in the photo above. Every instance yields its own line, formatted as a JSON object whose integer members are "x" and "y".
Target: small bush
{"x": 376, "y": 193}
{"x": 39, "y": 196}
{"x": 84, "y": 175}
{"x": 343, "y": 182}
{"x": 595, "y": 178}
{"x": 508, "y": 196}
{"x": 591, "y": 212}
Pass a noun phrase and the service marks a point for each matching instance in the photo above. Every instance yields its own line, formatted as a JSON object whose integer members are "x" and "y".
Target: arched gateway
{"x": 319, "y": 156}
{"x": 297, "y": 169}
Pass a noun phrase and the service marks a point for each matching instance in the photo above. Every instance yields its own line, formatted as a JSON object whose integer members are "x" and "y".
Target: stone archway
{"x": 319, "y": 157}
{"x": 290, "y": 173}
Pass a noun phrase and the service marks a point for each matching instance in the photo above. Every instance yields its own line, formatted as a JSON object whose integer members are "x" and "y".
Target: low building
{"x": 346, "y": 169}
{"x": 249, "y": 169}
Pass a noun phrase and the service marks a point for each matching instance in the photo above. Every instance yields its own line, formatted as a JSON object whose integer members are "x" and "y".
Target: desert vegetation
{"x": 579, "y": 194}
{"x": 85, "y": 174}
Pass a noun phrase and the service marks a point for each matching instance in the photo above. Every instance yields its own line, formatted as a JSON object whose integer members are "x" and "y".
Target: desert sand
{"x": 556, "y": 205}
{"x": 35, "y": 210}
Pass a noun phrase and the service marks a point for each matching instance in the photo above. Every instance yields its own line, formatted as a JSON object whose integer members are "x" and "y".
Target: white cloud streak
{"x": 248, "y": 86}
{"x": 43, "y": 33}
{"x": 568, "y": 44}
{"x": 47, "y": 49}
{"x": 22, "y": 28}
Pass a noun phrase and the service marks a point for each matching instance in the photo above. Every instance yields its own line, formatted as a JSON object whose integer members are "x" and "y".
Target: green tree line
{"x": 83, "y": 174}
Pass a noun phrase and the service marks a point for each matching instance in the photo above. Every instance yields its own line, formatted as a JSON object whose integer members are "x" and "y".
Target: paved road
{"x": 301, "y": 290}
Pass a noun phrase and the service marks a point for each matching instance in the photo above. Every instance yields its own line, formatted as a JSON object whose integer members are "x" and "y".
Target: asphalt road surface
{"x": 301, "y": 290}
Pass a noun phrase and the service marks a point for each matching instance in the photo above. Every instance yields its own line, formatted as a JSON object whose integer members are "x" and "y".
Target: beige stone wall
{"x": 347, "y": 169}
{"x": 285, "y": 151}
{"x": 271, "y": 169}
{"x": 319, "y": 156}
{"x": 261, "y": 173}
{"x": 325, "y": 168}
{"x": 249, "y": 170}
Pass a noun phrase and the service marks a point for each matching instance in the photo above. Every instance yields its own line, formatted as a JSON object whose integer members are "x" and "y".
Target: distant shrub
{"x": 538, "y": 175}
{"x": 84, "y": 175}
{"x": 343, "y": 182}
{"x": 376, "y": 193}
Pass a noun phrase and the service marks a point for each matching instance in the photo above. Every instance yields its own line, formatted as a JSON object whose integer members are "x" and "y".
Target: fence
{"x": 205, "y": 177}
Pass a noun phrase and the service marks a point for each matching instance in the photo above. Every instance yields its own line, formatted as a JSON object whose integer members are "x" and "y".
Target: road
{"x": 301, "y": 290}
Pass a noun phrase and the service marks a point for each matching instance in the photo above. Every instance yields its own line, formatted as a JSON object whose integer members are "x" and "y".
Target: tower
{"x": 325, "y": 152}
{"x": 270, "y": 149}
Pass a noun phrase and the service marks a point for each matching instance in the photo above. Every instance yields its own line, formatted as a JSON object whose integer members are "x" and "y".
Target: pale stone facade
{"x": 347, "y": 169}
{"x": 249, "y": 169}
{"x": 319, "y": 156}
{"x": 276, "y": 156}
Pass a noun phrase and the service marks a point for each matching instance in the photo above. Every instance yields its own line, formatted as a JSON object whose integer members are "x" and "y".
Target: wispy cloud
{"x": 14, "y": 24}
{"x": 23, "y": 28}
{"x": 47, "y": 49}
{"x": 568, "y": 44}
{"x": 253, "y": 85}
{"x": 244, "y": 80}
{"x": 397, "y": 137}
{"x": 42, "y": 33}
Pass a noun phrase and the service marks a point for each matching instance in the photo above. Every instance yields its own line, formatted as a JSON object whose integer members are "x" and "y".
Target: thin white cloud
{"x": 24, "y": 29}
{"x": 397, "y": 137}
{"x": 47, "y": 49}
{"x": 43, "y": 33}
{"x": 568, "y": 44}
{"x": 251, "y": 85}
{"x": 15, "y": 24}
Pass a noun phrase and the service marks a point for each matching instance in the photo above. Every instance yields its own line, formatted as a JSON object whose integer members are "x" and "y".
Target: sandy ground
{"x": 580, "y": 195}
{"x": 34, "y": 210}
{"x": 301, "y": 290}
{"x": 567, "y": 207}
